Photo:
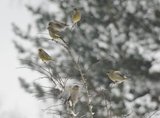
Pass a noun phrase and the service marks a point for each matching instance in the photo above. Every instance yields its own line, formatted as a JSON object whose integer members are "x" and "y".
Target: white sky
{"x": 14, "y": 102}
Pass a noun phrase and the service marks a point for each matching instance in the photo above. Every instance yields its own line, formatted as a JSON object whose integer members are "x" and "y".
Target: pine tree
{"x": 112, "y": 34}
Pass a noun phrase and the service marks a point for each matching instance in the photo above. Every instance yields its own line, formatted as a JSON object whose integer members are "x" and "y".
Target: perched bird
{"x": 43, "y": 55}
{"x": 76, "y": 16}
{"x": 58, "y": 26}
{"x": 74, "y": 95}
{"x": 71, "y": 95}
{"x": 116, "y": 76}
{"x": 54, "y": 33}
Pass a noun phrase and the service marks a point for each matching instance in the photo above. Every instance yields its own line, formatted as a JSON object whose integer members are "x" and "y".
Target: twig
{"x": 82, "y": 78}
{"x": 51, "y": 107}
{"x": 152, "y": 114}
{"x": 105, "y": 102}
{"x": 83, "y": 116}
{"x": 50, "y": 77}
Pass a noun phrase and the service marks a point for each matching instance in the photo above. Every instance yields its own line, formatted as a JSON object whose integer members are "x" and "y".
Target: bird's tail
{"x": 74, "y": 26}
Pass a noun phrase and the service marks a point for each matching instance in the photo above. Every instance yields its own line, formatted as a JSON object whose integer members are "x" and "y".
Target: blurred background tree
{"x": 112, "y": 34}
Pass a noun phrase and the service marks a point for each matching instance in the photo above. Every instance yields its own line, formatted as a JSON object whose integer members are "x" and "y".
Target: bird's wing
{"x": 120, "y": 74}
{"x": 47, "y": 55}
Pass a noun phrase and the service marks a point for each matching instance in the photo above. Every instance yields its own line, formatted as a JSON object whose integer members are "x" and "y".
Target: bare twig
{"x": 105, "y": 102}
{"x": 152, "y": 114}
{"x": 50, "y": 74}
{"x": 82, "y": 78}
{"x": 51, "y": 107}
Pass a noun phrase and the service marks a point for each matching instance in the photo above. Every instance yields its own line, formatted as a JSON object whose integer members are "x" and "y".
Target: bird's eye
{"x": 76, "y": 86}
{"x": 49, "y": 23}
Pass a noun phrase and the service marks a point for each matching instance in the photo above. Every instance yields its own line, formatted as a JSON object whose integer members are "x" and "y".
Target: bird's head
{"x": 110, "y": 71}
{"x": 50, "y": 23}
{"x": 40, "y": 49}
{"x": 75, "y": 9}
{"x": 75, "y": 87}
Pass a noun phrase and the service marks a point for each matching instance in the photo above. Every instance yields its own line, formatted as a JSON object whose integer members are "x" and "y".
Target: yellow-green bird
{"x": 54, "y": 33}
{"x": 74, "y": 95}
{"x": 57, "y": 25}
{"x": 76, "y": 16}
{"x": 44, "y": 56}
{"x": 116, "y": 76}
{"x": 70, "y": 95}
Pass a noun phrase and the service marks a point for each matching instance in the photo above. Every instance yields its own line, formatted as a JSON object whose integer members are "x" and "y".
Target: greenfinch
{"x": 116, "y": 76}
{"x": 76, "y": 16}
{"x": 74, "y": 95}
{"x": 71, "y": 95}
{"x": 44, "y": 56}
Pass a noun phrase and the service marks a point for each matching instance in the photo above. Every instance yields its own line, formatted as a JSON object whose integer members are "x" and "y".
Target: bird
{"x": 76, "y": 16}
{"x": 44, "y": 56}
{"x": 54, "y": 33}
{"x": 74, "y": 95}
{"x": 71, "y": 95}
{"x": 57, "y": 25}
{"x": 116, "y": 76}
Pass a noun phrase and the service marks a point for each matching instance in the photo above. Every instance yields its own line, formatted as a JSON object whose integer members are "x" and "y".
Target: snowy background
{"x": 14, "y": 101}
